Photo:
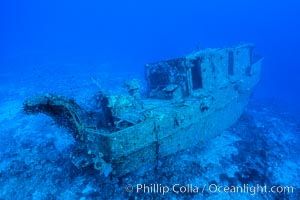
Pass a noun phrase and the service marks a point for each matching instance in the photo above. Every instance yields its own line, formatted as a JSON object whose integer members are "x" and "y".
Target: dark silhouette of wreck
{"x": 189, "y": 100}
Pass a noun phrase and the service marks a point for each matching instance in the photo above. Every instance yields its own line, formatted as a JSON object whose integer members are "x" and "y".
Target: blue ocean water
{"x": 57, "y": 46}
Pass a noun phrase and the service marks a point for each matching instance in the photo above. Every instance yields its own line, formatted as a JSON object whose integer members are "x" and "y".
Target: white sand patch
{"x": 218, "y": 148}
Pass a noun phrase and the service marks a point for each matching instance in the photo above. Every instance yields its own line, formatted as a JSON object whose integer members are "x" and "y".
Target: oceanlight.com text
{"x": 210, "y": 188}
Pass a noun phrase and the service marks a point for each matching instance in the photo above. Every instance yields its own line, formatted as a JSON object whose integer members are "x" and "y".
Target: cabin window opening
{"x": 159, "y": 79}
{"x": 251, "y": 56}
{"x": 230, "y": 63}
{"x": 196, "y": 75}
{"x": 248, "y": 70}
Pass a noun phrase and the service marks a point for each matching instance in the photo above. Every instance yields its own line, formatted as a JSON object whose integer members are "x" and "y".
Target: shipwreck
{"x": 189, "y": 100}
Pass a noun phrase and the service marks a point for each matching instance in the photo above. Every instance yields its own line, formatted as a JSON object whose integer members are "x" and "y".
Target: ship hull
{"x": 191, "y": 100}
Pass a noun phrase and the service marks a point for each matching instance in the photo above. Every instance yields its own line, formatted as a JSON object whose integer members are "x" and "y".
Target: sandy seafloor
{"x": 263, "y": 147}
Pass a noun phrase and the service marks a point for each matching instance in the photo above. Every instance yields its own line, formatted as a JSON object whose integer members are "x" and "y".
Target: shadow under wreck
{"x": 189, "y": 99}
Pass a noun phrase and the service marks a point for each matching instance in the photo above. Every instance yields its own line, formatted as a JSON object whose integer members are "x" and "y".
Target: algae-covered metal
{"x": 189, "y": 100}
